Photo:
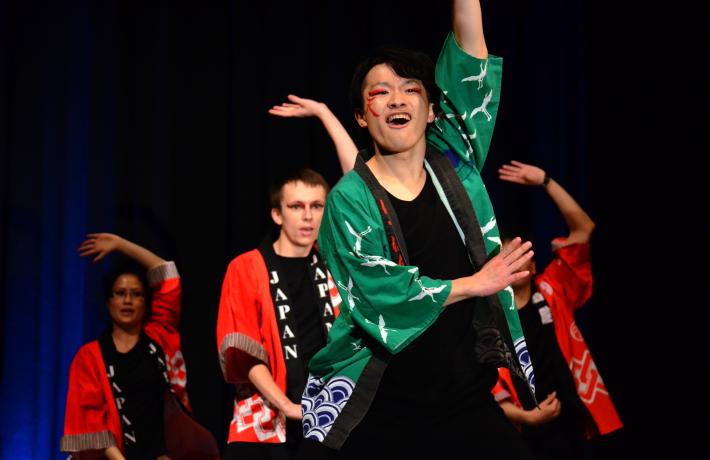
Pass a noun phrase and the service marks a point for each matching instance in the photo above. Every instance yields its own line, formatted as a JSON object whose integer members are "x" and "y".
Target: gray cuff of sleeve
{"x": 87, "y": 441}
{"x": 243, "y": 343}
{"x": 162, "y": 272}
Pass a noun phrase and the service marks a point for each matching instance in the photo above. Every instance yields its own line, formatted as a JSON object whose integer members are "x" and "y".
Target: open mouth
{"x": 398, "y": 120}
{"x": 127, "y": 311}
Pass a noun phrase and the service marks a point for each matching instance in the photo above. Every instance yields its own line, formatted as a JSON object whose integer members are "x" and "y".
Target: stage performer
{"x": 278, "y": 303}
{"x": 412, "y": 242}
{"x": 564, "y": 366}
{"x": 127, "y": 390}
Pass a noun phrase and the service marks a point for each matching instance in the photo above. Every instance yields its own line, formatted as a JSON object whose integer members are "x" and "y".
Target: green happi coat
{"x": 387, "y": 303}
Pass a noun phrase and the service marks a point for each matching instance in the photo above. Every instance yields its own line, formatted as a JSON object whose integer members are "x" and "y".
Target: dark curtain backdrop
{"x": 149, "y": 119}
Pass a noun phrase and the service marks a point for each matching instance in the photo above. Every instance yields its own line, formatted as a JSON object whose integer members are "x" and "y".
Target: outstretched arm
{"x": 578, "y": 221}
{"x": 103, "y": 244}
{"x": 468, "y": 27}
{"x": 300, "y": 107}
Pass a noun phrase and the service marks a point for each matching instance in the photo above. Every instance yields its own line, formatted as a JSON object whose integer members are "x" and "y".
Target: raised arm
{"x": 300, "y": 107}
{"x": 103, "y": 244}
{"x": 468, "y": 27}
{"x": 578, "y": 221}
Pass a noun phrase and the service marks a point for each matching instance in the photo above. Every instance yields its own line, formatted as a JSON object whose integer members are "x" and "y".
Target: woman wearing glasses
{"x": 127, "y": 395}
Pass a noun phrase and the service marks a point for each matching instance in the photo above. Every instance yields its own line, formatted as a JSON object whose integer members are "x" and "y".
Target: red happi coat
{"x": 504, "y": 389}
{"x": 566, "y": 284}
{"x": 247, "y": 328}
{"x": 91, "y": 421}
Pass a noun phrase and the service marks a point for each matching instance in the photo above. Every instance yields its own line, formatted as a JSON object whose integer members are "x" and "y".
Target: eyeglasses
{"x": 133, "y": 294}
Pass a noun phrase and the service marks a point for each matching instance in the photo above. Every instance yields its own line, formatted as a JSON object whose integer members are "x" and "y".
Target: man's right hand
{"x": 293, "y": 411}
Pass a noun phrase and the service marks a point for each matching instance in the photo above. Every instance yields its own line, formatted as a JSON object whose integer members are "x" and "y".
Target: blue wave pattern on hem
{"x": 321, "y": 405}
{"x": 521, "y": 350}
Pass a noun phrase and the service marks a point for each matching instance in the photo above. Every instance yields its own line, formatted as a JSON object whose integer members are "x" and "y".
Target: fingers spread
{"x": 517, "y": 251}
{"x": 510, "y": 247}
{"x": 517, "y": 264}
{"x": 86, "y": 248}
{"x": 517, "y": 276}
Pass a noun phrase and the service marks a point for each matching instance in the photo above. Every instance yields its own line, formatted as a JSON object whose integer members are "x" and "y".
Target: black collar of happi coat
{"x": 282, "y": 298}
{"x": 110, "y": 355}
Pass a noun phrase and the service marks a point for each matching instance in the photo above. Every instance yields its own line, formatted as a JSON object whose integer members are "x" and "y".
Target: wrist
{"x": 527, "y": 417}
{"x": 121, "y": 244}
{"x": 472, "y": 287}
{"x": 322, "y": 110}
{"x": 283, "y": 404}
{"x": 545, "y": 180}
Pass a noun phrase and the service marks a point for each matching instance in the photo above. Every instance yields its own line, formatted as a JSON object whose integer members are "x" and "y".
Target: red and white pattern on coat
{"x": 586, "y": 375}
{"x": 545, "y": 286}
{"x": 177, "y": 372}
{"x": 256, "y": 413}
{"x": 334, "y": 294}
{"x": 574, "y": 332}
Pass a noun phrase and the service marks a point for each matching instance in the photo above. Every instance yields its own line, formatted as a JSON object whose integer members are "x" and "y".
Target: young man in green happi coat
{"x": 411, "y": 240}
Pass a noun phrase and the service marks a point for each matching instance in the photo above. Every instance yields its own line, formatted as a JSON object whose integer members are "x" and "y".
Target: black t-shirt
{"x": 309, "y": 325}
{"x": 437, "y": 373}
{"x": 551, "y": 370}
{"x": 143, "y": 388}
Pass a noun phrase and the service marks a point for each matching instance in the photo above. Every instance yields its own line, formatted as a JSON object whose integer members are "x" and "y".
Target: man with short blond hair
{"x": 278, "y": 303}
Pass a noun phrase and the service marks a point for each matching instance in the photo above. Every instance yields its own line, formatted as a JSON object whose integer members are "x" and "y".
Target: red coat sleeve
{"x": 91, "y": 419}
{"x": 165, "y": 307}
{"x": 569, "y": 274}
{"x": 163, "y": 323}
{"x": 504, "y": 388}
{"x": 239, "y": 321}
{"x": 335, "y": 298}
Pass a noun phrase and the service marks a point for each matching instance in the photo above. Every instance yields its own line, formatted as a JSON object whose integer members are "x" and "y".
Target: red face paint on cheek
{"x": 370, "y": 109}
{"x": 371, "y": 99}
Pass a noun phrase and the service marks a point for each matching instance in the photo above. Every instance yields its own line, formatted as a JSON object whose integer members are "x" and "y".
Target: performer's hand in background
{"x": 521, "y": 173}
{"x": 298, "y": 107}
{"x": 101, "y": 244}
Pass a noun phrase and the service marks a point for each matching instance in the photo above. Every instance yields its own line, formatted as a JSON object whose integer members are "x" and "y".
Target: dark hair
{"x": 510, "y": 231}
{"x": 305, "y": 175}
{"x": 127, "y": 268}
{"x": 405, "y": 63}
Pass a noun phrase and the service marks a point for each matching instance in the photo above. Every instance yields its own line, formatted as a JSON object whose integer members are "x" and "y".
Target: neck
{"x": 125, "y": 338}
{"x": 401, "y": 174}
{"x": 522, "y": 295}
{"x": 284, "y": 248}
